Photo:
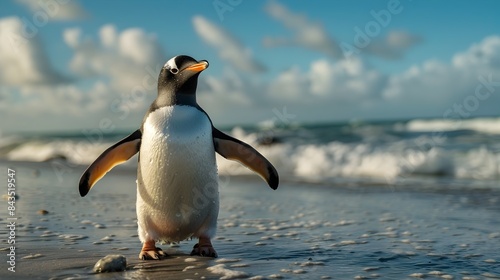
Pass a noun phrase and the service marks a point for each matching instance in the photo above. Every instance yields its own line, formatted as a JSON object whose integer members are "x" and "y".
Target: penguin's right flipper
{"x": 114, "y": 155}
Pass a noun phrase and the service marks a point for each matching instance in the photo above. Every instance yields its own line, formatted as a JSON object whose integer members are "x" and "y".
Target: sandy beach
{"x": 300, "y": 231}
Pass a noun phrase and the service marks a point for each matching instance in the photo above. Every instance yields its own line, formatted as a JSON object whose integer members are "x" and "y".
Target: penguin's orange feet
{"x": 150, "y": 252}
{"x": 204, "y": 248}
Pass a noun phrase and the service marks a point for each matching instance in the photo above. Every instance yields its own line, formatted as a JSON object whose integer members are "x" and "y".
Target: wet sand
{"x": 300, "y": 231}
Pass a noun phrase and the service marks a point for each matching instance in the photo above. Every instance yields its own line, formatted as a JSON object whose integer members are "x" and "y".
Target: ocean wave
{"x": 387, "y": 160}
{"x": 78, "y": 152}
{"x": 364, "y": 160}
{"x": 483, "y": 125}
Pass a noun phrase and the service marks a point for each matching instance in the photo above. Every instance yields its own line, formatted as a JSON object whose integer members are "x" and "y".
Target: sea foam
{"x": 465, "y": 149}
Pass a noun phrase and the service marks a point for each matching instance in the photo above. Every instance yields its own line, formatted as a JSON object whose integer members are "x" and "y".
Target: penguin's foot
{"x": 155, "y": 254}
{"x": 150, "y": 252}
{"x": 204, "y": 248}
{"x": 205, "y": 251}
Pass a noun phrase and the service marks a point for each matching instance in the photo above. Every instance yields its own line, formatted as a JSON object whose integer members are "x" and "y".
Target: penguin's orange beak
{"x": 198, "y": 67}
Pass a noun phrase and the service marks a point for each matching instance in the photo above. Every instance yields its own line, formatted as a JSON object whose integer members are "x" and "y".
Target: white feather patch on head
{"x": 171, "y": 63}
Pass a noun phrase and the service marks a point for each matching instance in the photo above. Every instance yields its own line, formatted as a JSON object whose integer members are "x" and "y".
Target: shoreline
{"x": 299, "y": 231}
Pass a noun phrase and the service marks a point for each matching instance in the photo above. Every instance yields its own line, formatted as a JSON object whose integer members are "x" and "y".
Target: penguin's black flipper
{"x": 234, "y": 149}
{"x": 114, "y": 155}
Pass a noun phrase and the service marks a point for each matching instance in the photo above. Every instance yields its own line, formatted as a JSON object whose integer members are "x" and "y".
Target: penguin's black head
{"x": 178, "y": 80}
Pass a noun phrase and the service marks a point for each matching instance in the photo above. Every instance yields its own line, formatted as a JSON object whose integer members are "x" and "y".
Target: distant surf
{"x": 383, "y": 151}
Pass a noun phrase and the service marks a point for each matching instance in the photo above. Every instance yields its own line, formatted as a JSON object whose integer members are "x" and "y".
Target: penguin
{"x": 177, "y": 181}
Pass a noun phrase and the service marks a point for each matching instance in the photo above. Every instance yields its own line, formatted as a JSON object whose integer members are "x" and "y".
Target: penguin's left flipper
{"x": 114, "y": 155}
{"x": 234, "y": 149}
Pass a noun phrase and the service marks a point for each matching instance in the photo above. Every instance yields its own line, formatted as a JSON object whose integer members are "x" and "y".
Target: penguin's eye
{"x": 174, "y": 71}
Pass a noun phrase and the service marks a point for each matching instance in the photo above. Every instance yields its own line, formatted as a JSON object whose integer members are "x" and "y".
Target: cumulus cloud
{"x": 432, "y": 79}
{"x": 352, "y": 88}
{"x": 439, "y": 80}
{"x": 56, "y": 10}
{"x": 115, "y": 78}
{"x": 437, "y": 86}
{"x": 223, "y": 97}
{"x": 323, "y": 89}
{"x": 71, "y": 37}
{"x": 483, "y": 55}
{"x": 23, "y": 59}
{"x": 230, "y": 49}
{"x": 122, "y": 58}
{"x": 306, "y": 33}
{"x": 344, "y": 82}
{"x": 123, "y": 67}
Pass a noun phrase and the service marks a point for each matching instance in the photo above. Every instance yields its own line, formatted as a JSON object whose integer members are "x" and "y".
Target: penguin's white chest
{"x": 177, "y": 194}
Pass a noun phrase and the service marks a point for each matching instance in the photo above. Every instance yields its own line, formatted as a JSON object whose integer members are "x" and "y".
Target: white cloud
{"x": 227, "y": 97}
{"x": 324, "y": 90}
{"x": 123, "y": 65}
{"x": 71, "y": 37}
{"x": 312, "y": 35}
{"x": 307, "y": 34}
{"x": 482, "y": 55}
{"x": 230, "y": 49}
{"x": 141, "y": 48}
{"x": 401, "y": 39}
{"x": 23, "y": 59}
{"x": 291, "y": 85}
{"x": 114, "y": 78}
{"x": 56, "y": 10}
{"x": 124, "y": 59}
{"x": 432, "y": 79}
{"x": 108, "y": 36}
{"x": 346, "y": 81}
{"x": 351, "y": 88}
{"x": 441, "y": 82}
{"x": 434, "y": 88}
{"x": 393, "y": 45}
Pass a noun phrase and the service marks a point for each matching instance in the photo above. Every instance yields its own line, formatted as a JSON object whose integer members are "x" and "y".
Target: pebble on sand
{"x": 7, "y": 197}
{"x": 111, "y": 263}
{"x": 42, "y": 212}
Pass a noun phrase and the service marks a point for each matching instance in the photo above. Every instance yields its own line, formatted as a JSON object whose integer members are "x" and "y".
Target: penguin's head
{"x": 179, "y": 77}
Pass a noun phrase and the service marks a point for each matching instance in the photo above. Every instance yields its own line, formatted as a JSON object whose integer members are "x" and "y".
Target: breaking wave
{"x": 390, "y": 150}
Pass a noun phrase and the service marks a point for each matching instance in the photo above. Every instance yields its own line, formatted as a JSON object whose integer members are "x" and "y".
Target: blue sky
{"x": 85, "y": 61}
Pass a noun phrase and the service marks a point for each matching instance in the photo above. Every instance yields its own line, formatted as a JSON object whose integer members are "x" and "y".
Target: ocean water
{"x": 383, "y": 200}
{"x": 466, "y": 151}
